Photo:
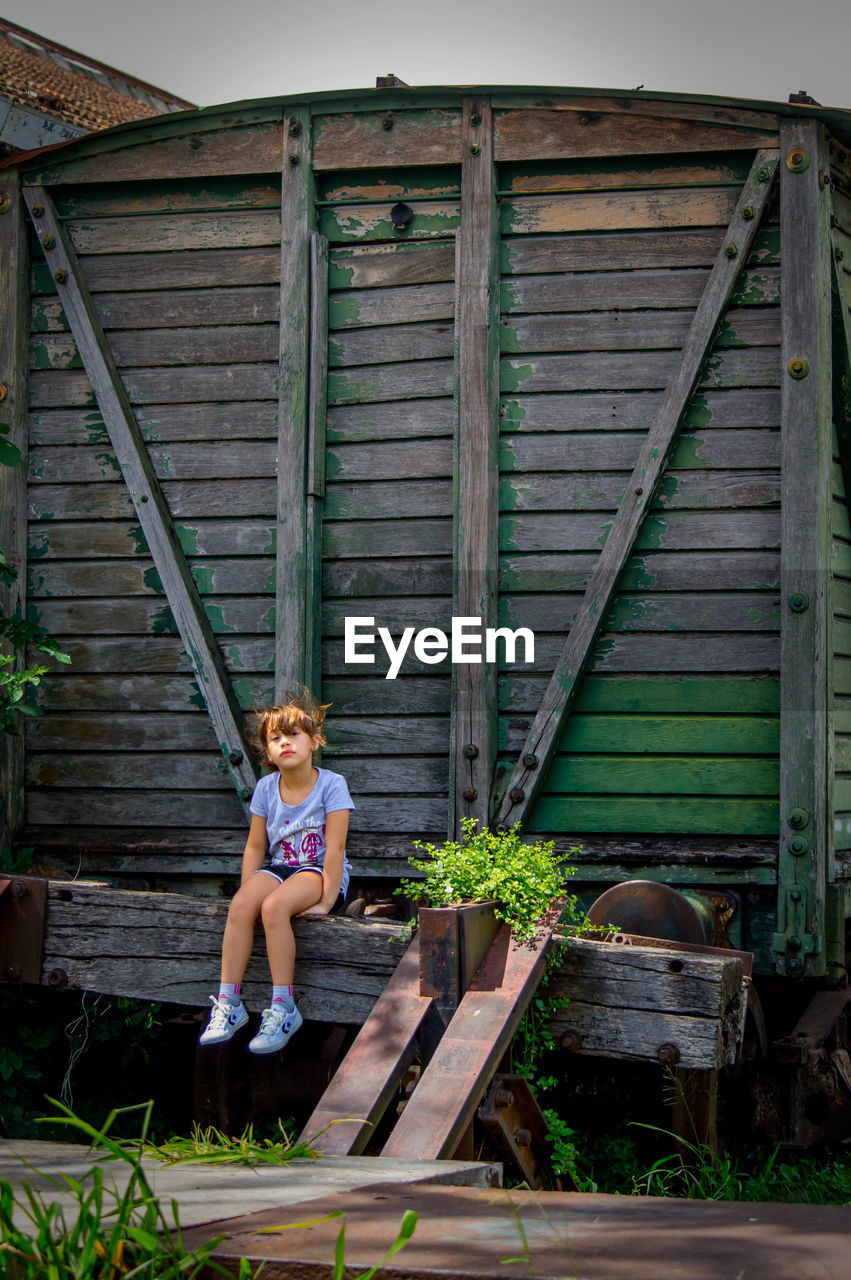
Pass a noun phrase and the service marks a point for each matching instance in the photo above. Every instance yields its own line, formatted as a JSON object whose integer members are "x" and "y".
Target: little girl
{"x": 294, "y": 864}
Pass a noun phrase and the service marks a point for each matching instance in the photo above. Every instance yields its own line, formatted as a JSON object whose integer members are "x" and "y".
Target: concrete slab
{"x": 207, "y": 1193}
{"x": 474, "y": 1234}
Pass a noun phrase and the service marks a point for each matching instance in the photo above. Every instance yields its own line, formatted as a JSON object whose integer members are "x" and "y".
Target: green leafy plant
{"x": 113, "y": 1233}
{"x": 523, "y": 880}
{"x": 211, "y": 1146}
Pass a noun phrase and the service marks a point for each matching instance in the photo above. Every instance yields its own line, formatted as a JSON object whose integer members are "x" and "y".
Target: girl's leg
{"x": 296, "y": 894}
{"x": 244, "y": 909}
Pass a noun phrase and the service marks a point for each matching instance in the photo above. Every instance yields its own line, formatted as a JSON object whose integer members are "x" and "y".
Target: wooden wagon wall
{"x": 610, "y": 215}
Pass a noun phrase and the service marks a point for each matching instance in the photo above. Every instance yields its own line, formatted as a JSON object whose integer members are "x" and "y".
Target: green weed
{"x": 211, "y": 1146}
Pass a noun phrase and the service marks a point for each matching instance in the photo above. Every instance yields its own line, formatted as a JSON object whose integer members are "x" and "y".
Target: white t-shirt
{"x": 296, "y": 832}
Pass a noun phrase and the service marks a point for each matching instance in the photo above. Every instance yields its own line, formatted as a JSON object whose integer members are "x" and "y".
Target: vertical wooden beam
{"x": 145, "y": 491}
{"x": 806, "y": 774}
{"x": 473, "y": 730}
{"x": 315, "y": 488}
{"x": 14, "y": 348}
{"x": 542, "y": 740}
{"x": 294, "y": 582}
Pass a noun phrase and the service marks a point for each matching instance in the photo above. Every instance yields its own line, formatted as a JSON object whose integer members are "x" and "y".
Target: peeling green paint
{"x": 756, "y": 289}
{"x": 188, "y": 535}
{"x": 108, "y": 464}
{"x": 766, "y": 246}
{"x": 343, "y": 311}
{"x": 342, "y": 389}
{"x": 650, "y": 534}
{"x": 96, "y": 432}
{"x": 38, "y": 547}
{"x": 512, "y": 412}
{"x": 726, "y": 336}
{"x": 512, "y": 377}
{"x": 636, "y": 576}
{"x": 604, "y": 534}
{"x": 152, "y": 581}
{"x": 36, "y": 472}
{"x": 216, "y": 617}
{"x": 269, "y": 618}
{"x": 164, "y": 464}
{"x": 335, "y": 353}
{"x": 196, "y": 699}
{"x": 162, "y": 623}
{"x": 137, "y": 537}
{"x": 698, "y": 413}
{"x": 507, "y": 295}
{"x": 235, "y": 656}
{"x": 508, "y": 526}
{"x": 203, "y": 575}
{"x": 339, "y": 276}
{"x": 509, "y": 339}
{"x": 686, "y": 456}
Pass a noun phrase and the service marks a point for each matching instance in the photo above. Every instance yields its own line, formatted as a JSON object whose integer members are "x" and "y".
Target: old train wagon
{"x": 567, "y": 361}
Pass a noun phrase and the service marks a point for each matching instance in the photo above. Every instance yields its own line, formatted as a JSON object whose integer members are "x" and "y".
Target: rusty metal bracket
{"x": 515, "y": 1124}
{"x": 23, "y": 910}
{"x": 814, "y": 1026}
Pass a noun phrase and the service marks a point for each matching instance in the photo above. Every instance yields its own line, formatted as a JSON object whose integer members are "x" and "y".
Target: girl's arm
{"x": 336, "y": 830}
{"x": 254, "y": 853}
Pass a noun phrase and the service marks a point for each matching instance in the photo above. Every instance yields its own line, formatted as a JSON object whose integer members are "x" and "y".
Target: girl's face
{"x": 290, "y": 749}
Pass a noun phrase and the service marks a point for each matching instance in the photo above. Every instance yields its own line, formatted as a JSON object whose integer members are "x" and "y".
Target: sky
{"x": 213, "y": 51}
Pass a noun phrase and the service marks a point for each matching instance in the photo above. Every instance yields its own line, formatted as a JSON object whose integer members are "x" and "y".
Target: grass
{"x": 211, "y": 1146}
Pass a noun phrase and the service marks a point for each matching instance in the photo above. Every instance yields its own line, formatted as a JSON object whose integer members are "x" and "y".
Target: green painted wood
{"x": 390, "y": 265}
{"x": 156, "y": 233}
{"x": 381, "y": 184}
{"x": 661, "y": 775}
{"x": 604, "y": 491}
{"x": 189, "y": 269}
{"x": 641, "y": 290}
{"x": 555, "y": 707}
{"x": 157, "y": 309}
{"x": 369, "y": 223}
{"x": 699, "y": 449}
{"x": 635, "y": 331}
{"x": 648, "y": 571}
{"x": 220, "y": 460}
{"x": 402, "y": 304}
{"x": 78, "y": 692}
{"x": 186, "y": 499}
{"x": 94, "y": 539}
{"x": 68, "y": 389}
{"x": 707, "y": 815}
{"x": 587, "y": 173}
{"x": 805, "y": 780}
{"x": 294, "y": 577}
{"x": 249, "y": 420}
{"x": 675, "y": 531}
{"x": 696, "y": 611}
{"x": 150, "y": 505}
{"x": 162, "y": 653}
{"x": 152, "y": 348}
{"x": 227, "y": 615}
{"x": 90, "y": 577}
{"x": 14, "y": 303}
{"x": 316, "y": 446}
{"x": 623, "y": 411}
{"x": 472, "y": 733}
{"x": 625, "y": 251}
{"x": 167, "y": 196}
{"x": 600, "y": 370}
{"x": 668, "y": 694}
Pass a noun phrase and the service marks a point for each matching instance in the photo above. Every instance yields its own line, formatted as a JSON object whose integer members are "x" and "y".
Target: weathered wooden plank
{"x": 152, "y": 348}
{"x": 402, "y": 304}
{"x": 392, "y": 498}
{"x": 390, "y": 460}
{"x": 228, "y": 145}
{"x": 417, "y": 611}
{"x": 473, "y": 732}
{"x": 629, "y": 290}
{"x": 390, "y": 265}
{"x": 166, "y": 232}
{"x": 704, "y": 814}
{"x": 67, "y": 389}
{"x": 697, "y": 611}
{"x": 536, "y": 134}
{"x": 219, "y": 461}
{"x": 633, "y": 331}
{"x": 375, "y": 578}
{"x": 164, "y": 196}
{"x": 390, "y": 381}
{"x": 694, "y": 695}
{"x": 119, "y": 538}
{"x": 362, "y": 1089}
{"x": 360, "y": 140}
{"x": 224, "y": 616}
{"x": 598, "y": 173}
{"x": 618, "y": 411}
{"x": 426, "y": 537}
{"x": 603, "y": 491}
{"x": 316, "y": 457}
{"x": 160, "y": 309}
{"x": 167, "y": 945}
{"x": 375, "y": 696}
{"x": 617, "y": 211}
{"x": 406, "y": 183}
{"x": 185, "y": 498}
{"x": 397, "y": 420}
{"x": 626, "y": 106}
{"x": 624, "y": 370}
{"x": 686, "y": 734}
{"x": 243, "y": 420}
{"x": 628, "y": 1005}
{"x": 651, "y": 571}
{"x": 292, "y": 576}
{"x": 805, "y": 778}
{"x": 661, "y": 775}
{"x": 675, "y": 531}
{"x": 625, "y": 251}
{"x": 426, "y": 341}
{"x": 190, "y": 269}
{"x": 132, "y": 692}
{"x": 366, "y": 223}
{"x": 162, "y": 653}
{"x": 540, "y": 743}
{"x": 14, "y": 303}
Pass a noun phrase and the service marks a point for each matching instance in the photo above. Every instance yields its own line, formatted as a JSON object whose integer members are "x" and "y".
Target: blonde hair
{"x": 298, "y": 711}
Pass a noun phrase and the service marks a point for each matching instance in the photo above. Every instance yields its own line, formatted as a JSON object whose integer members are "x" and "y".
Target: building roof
{"x": 50, "y": 80}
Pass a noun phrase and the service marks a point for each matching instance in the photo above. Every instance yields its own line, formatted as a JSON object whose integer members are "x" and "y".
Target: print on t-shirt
{"x": 302, "y": 844}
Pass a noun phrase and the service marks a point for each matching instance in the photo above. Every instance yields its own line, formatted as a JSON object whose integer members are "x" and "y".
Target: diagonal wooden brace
{"x": 145, "y": 491}
{"x": 541, "y": 742}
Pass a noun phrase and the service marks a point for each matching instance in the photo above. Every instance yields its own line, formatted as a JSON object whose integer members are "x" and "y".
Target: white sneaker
{"x": 277, "y": 1027}
{"x": 225, "y": 1021}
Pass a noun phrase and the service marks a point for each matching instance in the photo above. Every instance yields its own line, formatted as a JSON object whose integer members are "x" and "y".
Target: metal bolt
{"x": 793, "y": 943}
{"x": 471, "y": 751}
{"x": 502, "y": 828}
{"x": 523, "y": 1137}
{"x": 12, "y": 971}
{"x": 838, "y": 254}
{"x": 388, "y": 121}
{"x": 798, "y": 818}
{"x": 795, "y": 966}
{"x": 4, "y": 391}
{"x": 503, "y": 1098}
{"x": 517, "y": 795}
{"x": 797, "y": 160}
{"x": 571, "y": 1041}
{"x": 144, "y": 498}
{"x": 668, "y": 1054}
{"x": 294, "y": 160}
{"x": 824, "y": 179}
{"x": 799, "y": 602}
{"x": 295, "y": 128}
{"x": 798, "y": 367}
{"x": 49, "y": 242}
{"x": 731, "y": 251}
{"x": 37, "y": 210}
{"x": 475, "y": 149}
{"x": 798, "y": 846}
{"x": 5, "y": 203}
{"x": 470, "y": 794}
{"x": 639, "y": 490}
{"x": 57, "y": 978}
{"x": 475, "y": 119}
{"x": 763, "y": 174}
{"x": 245, "y": 793}
{"x": 834, "y": 221}
{"x": 235, "y": 757}
{"x": 795, "y": 895}
{"x": 584, "y": 121}
{"x": 531, "y": 762}
{"x": 195, "y": 144}
{"x": 20, "y": 888}
{"x": 749, "y": 213}
{"x": 61, "y": 276}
